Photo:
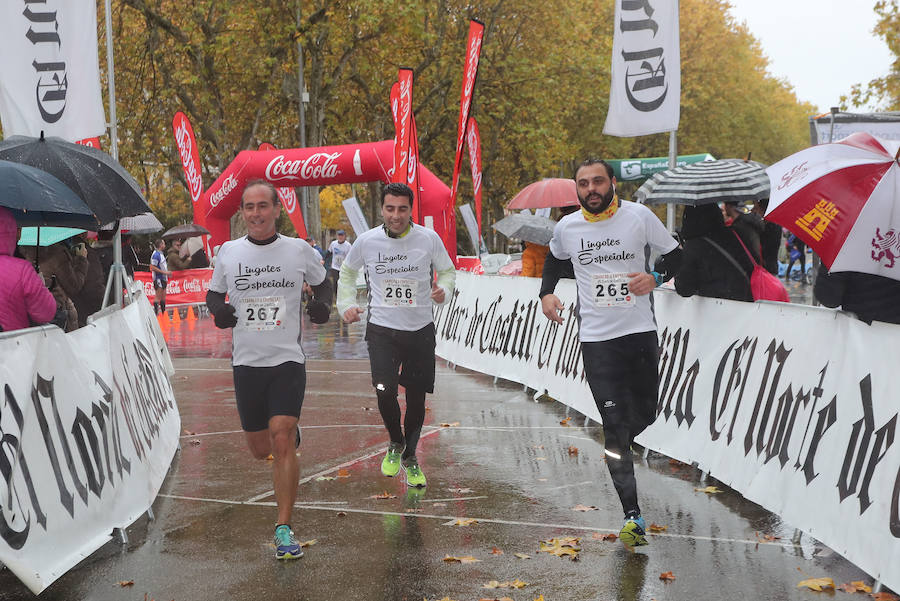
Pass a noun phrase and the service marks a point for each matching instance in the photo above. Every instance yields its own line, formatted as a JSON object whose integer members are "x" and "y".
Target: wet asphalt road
{"x": 503, "y": 459}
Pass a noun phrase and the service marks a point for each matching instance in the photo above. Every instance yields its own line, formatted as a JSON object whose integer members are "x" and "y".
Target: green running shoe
{"x": 390, "y": 465}
{"x": 286, "y": 545}
{"x": 633, "y": 533}
{"x": 414, "y": 475}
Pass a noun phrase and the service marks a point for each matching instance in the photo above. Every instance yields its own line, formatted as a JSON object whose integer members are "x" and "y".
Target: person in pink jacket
{"x": 24, "y": 300}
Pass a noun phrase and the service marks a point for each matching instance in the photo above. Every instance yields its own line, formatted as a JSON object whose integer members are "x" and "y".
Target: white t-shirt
{"x": 264, "y": 284}
{"x": 158, "y": 259}
{"x": 602, "y": 253}
{"x": 339, "y": 252}
{"x": 399, "y": 272}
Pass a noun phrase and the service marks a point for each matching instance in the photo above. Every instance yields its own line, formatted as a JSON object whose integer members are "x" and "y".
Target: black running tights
{"x": 389, "y": 407}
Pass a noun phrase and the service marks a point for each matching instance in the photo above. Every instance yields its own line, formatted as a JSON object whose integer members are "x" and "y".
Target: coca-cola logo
{"x": 228, "y": 185}
{"x": 192, "y": 285}
{"x": 472, "y": 141}
{"x": 288, "y": 198}
{"x": 185, "y": 142}
{"x": 320, "y": 165}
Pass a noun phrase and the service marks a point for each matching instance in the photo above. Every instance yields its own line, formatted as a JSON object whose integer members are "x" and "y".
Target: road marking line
{"x": 430, "y": 428}
{"x": 571, "y": 485}
{"x": 786, "y": 545}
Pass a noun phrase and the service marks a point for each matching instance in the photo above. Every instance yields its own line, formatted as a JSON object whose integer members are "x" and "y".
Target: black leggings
{"x": 389, "y": 407}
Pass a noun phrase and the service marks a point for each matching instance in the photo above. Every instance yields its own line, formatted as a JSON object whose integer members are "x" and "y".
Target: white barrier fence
{"x": 792, "y": 406}
{"x": 88, "y": 428}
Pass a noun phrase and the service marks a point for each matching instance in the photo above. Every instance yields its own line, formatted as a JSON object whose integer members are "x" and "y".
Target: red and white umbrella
{"x": 550, "y": 192}
{"x": 843, "y": 200}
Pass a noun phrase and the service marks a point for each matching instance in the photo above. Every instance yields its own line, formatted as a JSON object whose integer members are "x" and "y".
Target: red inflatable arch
{"x": 350, "y": 163}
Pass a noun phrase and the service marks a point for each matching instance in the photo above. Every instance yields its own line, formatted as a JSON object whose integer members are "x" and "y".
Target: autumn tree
{"x": 884, "y": 91}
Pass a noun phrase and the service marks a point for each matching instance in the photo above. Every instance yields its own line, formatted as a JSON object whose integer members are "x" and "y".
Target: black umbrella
{"x": 37, "y": 198}
{"x": 707, "y": 182}
{"x": 186, "y": 230}
{"x": 524, "y": 226}
{"x": 93, "y": 175}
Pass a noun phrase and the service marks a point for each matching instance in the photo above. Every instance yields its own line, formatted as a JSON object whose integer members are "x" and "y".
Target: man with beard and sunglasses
{"x": 608, "y": 242}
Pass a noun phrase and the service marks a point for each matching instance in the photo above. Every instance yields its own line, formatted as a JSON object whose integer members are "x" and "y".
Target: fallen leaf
{"x": 581, "y": 507}
{"x": 439, "y": 505}
{"x": 321, "y": 478}
{"x": 491, "y": 584}
{"x": 561, "y": 547}
{"x": 444, "y": 599}
{"x": 565, "y": 422}
{"x": 341, "y": 514}
{"x": 767, "y": 538}
{"x": 817, "y": 584}
{"x": 542, "y": 479}
{"x": 517, "y": 584}
{"x": 384, "y": 495}
{"x": 857, "y": 586}
{"x": 573, "y": 450}
{"x": 460, "y": 491}
{"x": 522, "y": 556}
{"x": 540, "y": 459}
{"x": 308, "y": 543}
{"x": 462, "y": 522}
{"x": 658, "y": 528}
{"x": 710, "y": 490}
{"x": 884, "y": 597}
{"x": 610, "y": 537}
{"x": 124, "y": 583}
{"x": 538, "y": 446}
{"x": 449, "y": 425}
{"x": 343, "y": 473}
{"x": 541, "y": 598}
{"x": 189, "y": 433}
{"x": 271, "y": 457}
{"x": 464, "y": 559}
{"x": 195, "y": 442}
{"x": 497, "y": 599}
{"x": 667, "y": 576}
{"x": 496, "y": 551}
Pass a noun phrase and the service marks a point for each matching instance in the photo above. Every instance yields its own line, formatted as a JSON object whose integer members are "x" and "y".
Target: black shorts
{"x": 401, "y": 357}
{"x": 623, "y": 374}
{"x": 264, "y": 392}
{"x": 160, "y": 284}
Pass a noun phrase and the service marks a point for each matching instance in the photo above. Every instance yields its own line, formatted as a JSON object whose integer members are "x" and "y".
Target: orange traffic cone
{"x": 176, "y": 316}
{"x": 190, "y": 314}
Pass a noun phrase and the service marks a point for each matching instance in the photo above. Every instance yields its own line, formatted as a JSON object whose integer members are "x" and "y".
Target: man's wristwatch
{"x": 656, "y": 276}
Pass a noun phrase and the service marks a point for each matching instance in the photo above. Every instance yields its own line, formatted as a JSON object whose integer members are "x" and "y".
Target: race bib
{"x": 261, "y": 314}
{"x": 399, "y": 292}
{"x": 611, "y": 290}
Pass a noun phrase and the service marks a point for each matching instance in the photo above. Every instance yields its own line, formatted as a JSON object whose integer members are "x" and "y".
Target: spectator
{"x": 749, "y": 226}
{"x": 103, "y": 248}
{"x": 770, "y": 239}
{"x": 24, "y": 300}
{"x": 174, "y": 258}
{"x": 312, "y": 242}
{"x": 714, "y": 264}
{"x": 869, "y": 297}
{"x": 64, "y": 267}
{"x": 193, "y": 248}
{"x": 797, "y": 249}
{"x": 129, "y": 256}
{"x": 533, "y": 259}
{"x": 89, "y": 298}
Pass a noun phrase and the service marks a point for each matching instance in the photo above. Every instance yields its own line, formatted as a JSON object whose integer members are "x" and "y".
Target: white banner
{"x": 49, "y": 71}
{"x": 759, "y": 395}
{"x": 880, "y": 125}
{"x": 645, "y": 81}
{"x": 355, "y": 215}
{"x": 468, "y": 216}
{"x": 89, "y": 426}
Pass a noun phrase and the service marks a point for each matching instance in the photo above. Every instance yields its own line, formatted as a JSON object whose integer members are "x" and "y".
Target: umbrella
{"x": 530, "y": 228}
{"x": 145, "y": 223}
{"x": 725, "y": 180}
{"x": 187, "y": 230}
{"x": 843, "y": 200}
{"x": 93, "y": 175}
{"x": 37, "y": 198}
{"x": 45, "y": 236}
{"x": 550, "y": 192}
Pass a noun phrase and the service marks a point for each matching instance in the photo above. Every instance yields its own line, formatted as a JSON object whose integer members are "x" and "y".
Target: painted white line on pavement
{"x": 445, "y": 518}
{"x": 452, "y": 499}
{"x": 571, "y": 485}
{"x": 427, "y": 427}
{"x": 378, "y": 451}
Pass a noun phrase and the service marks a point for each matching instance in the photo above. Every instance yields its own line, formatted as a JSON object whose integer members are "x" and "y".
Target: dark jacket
{"x": 771, "y": 244}
{"x": 89, "y": 298}
{"x": 750, "y": 227}
{"x": 705, "y": 271}
{"x": 870, "y": 297}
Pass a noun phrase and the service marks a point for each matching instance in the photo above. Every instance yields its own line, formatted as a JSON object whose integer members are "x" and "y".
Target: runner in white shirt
{"x": 608, "y": 243}
{"x": 338, "y": 251}
{"x": 263, "y": 274}
{"x": 400, "y": 260}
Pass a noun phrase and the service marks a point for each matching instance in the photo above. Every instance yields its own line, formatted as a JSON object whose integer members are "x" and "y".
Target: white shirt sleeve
{"x": 658, "y": 237}
{"x": 556, "y": 245}
{"x": 218, "y": 282}
{"x": 314, "y": 271}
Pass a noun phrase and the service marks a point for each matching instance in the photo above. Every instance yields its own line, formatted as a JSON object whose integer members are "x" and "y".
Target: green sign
{"x": 636, "y": 169}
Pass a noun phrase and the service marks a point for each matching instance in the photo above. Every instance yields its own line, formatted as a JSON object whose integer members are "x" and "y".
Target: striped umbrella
{"x": 725, "y": 180}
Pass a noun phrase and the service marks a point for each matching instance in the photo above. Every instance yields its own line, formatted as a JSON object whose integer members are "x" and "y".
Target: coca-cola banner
{"x": 49, "y": 72}
{"x": 92, "y": 142}
{"x": 412, "y": 171}
{"x": 350, "y": 163}
{"x": 186, "y": 287}
{"x": 645, "y": 82}
{"x": 287, "y": 195}
{"x": 759, "y": 395}
{"x": 190, "y": 158}
{"x": 403, "y": 122}
{"x": 473, "y": 142}
{"x": 470, "y": 72}
{"x": 89, "y": 425}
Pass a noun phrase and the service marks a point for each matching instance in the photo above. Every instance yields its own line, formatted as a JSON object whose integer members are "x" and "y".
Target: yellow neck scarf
{"x": 607, "y": 214}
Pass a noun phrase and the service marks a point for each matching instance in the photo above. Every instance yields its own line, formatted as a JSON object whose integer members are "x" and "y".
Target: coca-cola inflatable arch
{"x": 350, "y": 163}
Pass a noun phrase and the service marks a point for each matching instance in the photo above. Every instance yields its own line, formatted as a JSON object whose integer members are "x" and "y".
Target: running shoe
{"x": 286, "y": 546}
{"x": 390, "y": 465}
{"x": 414, "y": 475}
{"x": 633, "y": 533}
